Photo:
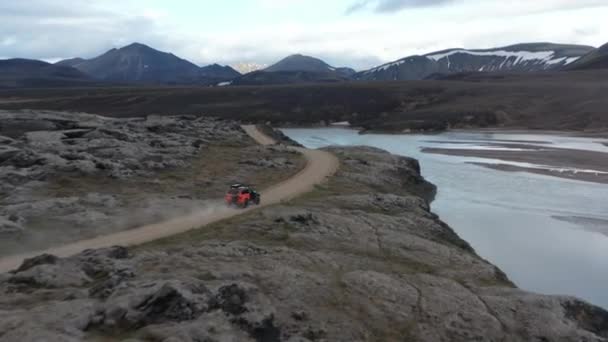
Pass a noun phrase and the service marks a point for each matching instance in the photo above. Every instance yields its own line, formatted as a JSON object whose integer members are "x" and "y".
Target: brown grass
{"x": 207, "y": 177}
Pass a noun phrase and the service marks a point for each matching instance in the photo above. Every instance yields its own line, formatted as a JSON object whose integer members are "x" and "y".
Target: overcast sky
{"x": 356, "y": 33}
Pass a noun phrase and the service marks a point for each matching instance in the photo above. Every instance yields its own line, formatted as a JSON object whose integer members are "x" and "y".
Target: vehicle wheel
{"x": 257, "y": 200}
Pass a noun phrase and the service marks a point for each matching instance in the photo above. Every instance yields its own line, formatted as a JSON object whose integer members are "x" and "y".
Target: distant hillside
{"x": 287, "y": 77}
{"x": 597, "y": 59}
{"x": 306, "y": 63}
{"x": 544, "y": 101}
{"x": 215, "y": 73}
{"x": 520, "y": 58}
{"x": 138, "y": 63}
{"x": 71, "y": 62}
{"x": 32, "y": 73}
{"x": 296, "y": 69}
{"x": 309, "y": 64}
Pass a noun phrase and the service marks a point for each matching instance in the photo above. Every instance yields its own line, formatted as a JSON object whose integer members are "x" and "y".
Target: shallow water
{"x": 508, "y": 217}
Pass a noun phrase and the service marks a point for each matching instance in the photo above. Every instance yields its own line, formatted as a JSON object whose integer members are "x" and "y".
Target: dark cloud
{"x": 384, "y": 6}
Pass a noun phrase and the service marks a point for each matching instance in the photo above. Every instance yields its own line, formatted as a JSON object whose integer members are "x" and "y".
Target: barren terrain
{"x": 70, "y": 176}
{"x": 359, "y": 258}
{"x": 564, "y": 101}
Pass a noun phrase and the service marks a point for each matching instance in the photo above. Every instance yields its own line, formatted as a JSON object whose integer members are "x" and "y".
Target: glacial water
{"x": 508, "y": 217}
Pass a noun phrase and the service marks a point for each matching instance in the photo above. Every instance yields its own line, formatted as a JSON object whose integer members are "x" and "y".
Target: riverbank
{"x": 508, "y": 217}
{"x": 359, "y": 258}
{"x": 583, "y": 165}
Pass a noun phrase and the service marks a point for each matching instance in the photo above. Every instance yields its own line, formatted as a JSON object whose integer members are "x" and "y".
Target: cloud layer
{"x": 264, "y": 31}
{"x": 382, "y": 6}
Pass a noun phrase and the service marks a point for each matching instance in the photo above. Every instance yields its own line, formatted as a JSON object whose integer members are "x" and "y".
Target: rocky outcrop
{"x": 277, "y": 135}
{"x": 68, "y": 176}
{"x": 361, "y": 258}
{"x": 93, "y": 145}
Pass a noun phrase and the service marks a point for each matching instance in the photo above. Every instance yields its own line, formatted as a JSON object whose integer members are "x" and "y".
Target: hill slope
{"x": 287, "y": 77}
{"x": 33, "y": 73}
{"x": 597, "y": 59}
{"x": 306, "y": 63}
{"x": 71, "y": 62}
{"x": 520, "y": 58}
{"x": 216, "y": 73}
{"x": 138, "y": 63}
{"x": 296, "y": 69}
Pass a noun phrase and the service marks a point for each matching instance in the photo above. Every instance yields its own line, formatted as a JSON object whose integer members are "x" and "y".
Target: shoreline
{"x": 590, "y": 178}
{"x": 584, "y": 165}
{"x": 496, "y": 130}
{"x": 591, "y": 224}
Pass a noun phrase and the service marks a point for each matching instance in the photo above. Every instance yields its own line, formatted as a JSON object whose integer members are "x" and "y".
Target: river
{"x": 510, "y": 218}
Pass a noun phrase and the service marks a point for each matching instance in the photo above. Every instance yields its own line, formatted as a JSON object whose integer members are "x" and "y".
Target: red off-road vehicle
{"x": 242, "y": 196}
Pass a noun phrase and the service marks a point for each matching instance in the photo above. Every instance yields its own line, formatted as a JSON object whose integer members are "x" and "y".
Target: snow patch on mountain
{"x": 388, "y": 65}
{"x": 522, "y": 56}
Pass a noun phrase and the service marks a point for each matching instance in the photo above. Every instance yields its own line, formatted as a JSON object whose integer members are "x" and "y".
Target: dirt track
{"x": 320, "y": 165}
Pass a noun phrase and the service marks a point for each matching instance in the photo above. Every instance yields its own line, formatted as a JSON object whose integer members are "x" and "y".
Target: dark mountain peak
{"x": 136, "y": 46}
{"x": 215, "y": 66}
{"x": 137, "y": 62}
{"x": 22, "y": 62}
{"x": 298, "y": 68}
{"x": 299, "y": 62}
{"x": 301, "y": 57}
{"x": 140, "y": 63}
{"x": 219, "y": 73}
{"x": 139, "y": 49}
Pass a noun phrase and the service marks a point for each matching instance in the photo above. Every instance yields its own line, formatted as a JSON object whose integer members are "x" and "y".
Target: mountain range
{"x": 17, "y": 73}
{"x": 138, "y": 63}
{"x": 514, "y": 58}
{"x": 141, "y": 64}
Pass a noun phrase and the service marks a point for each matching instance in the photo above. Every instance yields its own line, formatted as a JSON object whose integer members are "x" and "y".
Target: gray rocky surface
{"x": 44, "y": 142}
{"x": 67, "y": 176}
{"x": 359, "y": 259}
